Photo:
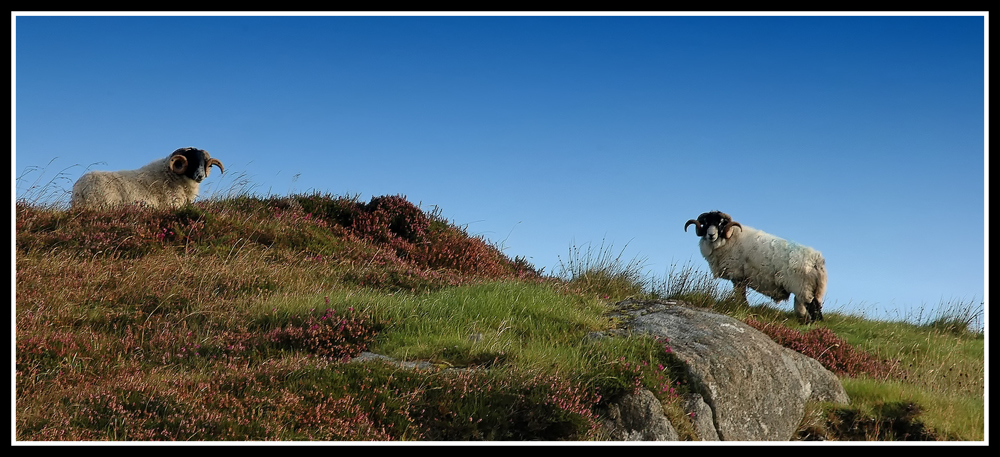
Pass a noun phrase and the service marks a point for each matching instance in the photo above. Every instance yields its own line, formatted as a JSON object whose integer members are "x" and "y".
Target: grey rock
{"x": 366, "y": 356}
{"x": 757, "y": 389}
{"x": 638, "y": 417}
{"x": 701, "y": 417}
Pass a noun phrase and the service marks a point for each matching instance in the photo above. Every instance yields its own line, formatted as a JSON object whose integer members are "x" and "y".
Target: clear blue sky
{"x": 863, "y": 137}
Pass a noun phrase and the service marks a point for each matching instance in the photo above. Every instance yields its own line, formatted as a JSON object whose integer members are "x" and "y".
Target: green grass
{"x": 598, "y": 271}
{"x": 515, "y": 321}
{"x": 232, "y": 319}
{"x": 945, "y": 373}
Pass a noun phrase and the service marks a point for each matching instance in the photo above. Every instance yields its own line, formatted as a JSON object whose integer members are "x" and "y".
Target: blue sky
{"x": 861, "y": 136}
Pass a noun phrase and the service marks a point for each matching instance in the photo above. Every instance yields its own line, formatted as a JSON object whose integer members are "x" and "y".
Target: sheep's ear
{"x": 178, "y": 164}
{"x": 728, "y": 230}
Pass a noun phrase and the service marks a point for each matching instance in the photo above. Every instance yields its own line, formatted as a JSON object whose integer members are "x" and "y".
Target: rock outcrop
{"x": 746, "y": 386}
{"x": 638, "y": 417}
{"x": 755, "y": 388}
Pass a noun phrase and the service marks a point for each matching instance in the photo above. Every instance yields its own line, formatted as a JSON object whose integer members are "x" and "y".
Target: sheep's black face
{"x": 196, "y": 168}
{"x": 713, "y": 225}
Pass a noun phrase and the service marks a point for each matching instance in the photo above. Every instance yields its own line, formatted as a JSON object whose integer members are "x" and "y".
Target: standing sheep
{"x": 763, "y": 262}
{"x": 170, "y": 182}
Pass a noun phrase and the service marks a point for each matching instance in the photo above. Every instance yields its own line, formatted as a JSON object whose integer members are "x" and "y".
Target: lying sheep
{"x": 170, "y": 182}
{"x": 763, "y": 262}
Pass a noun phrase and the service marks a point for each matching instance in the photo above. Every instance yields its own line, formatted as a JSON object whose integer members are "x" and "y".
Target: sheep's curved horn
{"x": 689, "y": 222}
{"x": 216, "y": 162}
{"x": 178, "y": 164}
{"x": 728, "y": 229}
{"x": 209, "y": 161}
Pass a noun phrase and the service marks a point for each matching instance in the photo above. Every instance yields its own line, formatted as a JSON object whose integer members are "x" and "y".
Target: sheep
{"x": 763, "y": 262}
{"x": 170, "y": 182}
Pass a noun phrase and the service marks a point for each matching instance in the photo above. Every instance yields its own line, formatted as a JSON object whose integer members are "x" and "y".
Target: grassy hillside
{"x": 234, "y": 319}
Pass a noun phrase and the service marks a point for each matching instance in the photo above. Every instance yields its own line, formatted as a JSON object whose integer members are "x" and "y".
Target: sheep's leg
{"x": 815, "y": 310}
{"x": 740, "y": 290}
{"x": 801, "y": 311}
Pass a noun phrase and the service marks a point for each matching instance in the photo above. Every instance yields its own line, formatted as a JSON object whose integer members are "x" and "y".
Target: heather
{"x": 236, "y": 319}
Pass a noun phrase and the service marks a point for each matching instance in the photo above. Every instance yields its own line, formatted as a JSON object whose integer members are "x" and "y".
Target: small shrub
{"x": 959, "y": 318}
{"x": 392, "y": 216}
{"x": 452, "y": 249}
{"x": 892, "y": 421}
{"x": 833, "y": 352}
{"x": 696, "y": 288}
{"x": 342, "y": 211}
{"x": 329, "y": 335}
{"x": 485, "y": 405}
{"x": 600, "y": 272}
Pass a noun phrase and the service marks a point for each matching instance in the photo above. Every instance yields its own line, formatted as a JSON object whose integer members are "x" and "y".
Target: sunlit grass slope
{"x": 235, "y": 319}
